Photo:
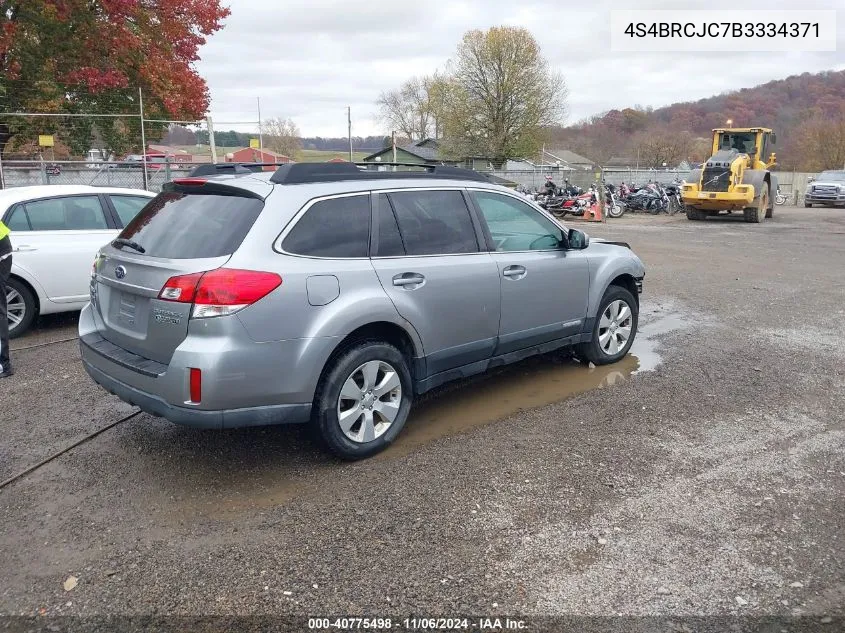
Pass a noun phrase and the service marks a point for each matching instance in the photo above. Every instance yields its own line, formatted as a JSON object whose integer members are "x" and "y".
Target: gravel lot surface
{"x": 705, "y": 476}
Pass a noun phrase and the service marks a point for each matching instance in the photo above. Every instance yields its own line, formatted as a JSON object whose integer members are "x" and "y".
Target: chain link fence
{"x": 111, "y": 140}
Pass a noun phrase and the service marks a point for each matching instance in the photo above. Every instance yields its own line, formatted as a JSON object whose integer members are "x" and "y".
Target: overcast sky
{"x": 308, "y": 60}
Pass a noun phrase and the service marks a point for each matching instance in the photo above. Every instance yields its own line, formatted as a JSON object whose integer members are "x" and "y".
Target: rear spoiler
{"x": 214, "y": 169}
{"x": 209, "y": 187}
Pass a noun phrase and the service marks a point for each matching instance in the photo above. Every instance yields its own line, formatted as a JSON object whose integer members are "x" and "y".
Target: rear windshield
{"x": 190, "y": 226}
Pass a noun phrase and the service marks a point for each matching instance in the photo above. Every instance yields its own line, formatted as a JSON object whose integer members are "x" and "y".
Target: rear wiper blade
{"x": 122, "y": 241}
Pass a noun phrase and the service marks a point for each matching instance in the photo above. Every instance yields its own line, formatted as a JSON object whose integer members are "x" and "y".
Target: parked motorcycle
{"x": 673, "y": 193}
{"x": 614, "y": 208}
{"x": 578, "y": 205}
{"x": 651, "y": 199}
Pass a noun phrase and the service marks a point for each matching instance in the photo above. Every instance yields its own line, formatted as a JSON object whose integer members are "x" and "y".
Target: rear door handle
{"x": 408, "y": 279}
{"x": 514, "y": 272}
{"x": 24, "y": 248}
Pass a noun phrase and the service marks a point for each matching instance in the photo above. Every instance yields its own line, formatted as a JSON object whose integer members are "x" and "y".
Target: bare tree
{"x": 501, "y": 95}
{"x": 821, "y": 142}
{"x": 282, "y": 136}
{"x": 409, "y": 109}
{"x": 659, "y": 147}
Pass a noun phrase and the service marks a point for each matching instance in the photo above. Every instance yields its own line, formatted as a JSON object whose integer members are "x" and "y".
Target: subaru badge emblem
{"x": 120, "y": 272}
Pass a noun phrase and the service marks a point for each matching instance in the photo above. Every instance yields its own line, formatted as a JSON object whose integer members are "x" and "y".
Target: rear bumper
{"x": 244, "y": 383}
{"x": 225, "y": 419}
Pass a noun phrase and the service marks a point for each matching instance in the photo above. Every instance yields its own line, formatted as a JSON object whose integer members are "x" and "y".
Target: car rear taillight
{"x": 221, "y": 291}
{"x": 181, "y": 289}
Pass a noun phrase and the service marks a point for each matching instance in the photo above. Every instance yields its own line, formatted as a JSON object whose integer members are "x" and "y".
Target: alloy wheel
{"x": 369, "y": 401}
{"x": 15, "y": 307}
{"x": 615, "y": 327}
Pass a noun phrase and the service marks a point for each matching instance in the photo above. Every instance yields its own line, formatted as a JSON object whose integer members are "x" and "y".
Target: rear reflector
{"x": 196, "y": 385}
{"x": 221, "y": 291}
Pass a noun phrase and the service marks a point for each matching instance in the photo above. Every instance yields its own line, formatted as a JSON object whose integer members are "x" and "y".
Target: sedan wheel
{"x": 16, "y": 307}
{"x": 21, "y": 307}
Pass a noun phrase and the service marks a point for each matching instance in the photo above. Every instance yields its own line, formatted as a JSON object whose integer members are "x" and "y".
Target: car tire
{"x": 23, "y": 300}
{"x": 600, "y": 350}
{"x": 808, "y": 205}
{"x": 355, "y": 372}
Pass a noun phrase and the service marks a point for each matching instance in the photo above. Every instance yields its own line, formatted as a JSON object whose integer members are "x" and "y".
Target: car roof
{"x": 259, "y": 183}
{"x": 14, "y": 195}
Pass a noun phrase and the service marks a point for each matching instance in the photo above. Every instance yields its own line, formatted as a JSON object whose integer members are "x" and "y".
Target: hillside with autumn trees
{"x": 806, "y": 111}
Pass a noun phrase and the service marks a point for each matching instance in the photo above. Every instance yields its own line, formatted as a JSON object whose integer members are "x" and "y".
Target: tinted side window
{"x": 17, "y": 219}
{"x": 76, "y": 213}
{"x": 389, "y": 240}
{"x": 337, "y": 227}
{"x": 127, "y": 207}
{"x": 516, "y": 226}
{"x": 434, "y": 222}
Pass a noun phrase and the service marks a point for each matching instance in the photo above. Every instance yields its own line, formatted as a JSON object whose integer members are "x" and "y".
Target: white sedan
{"x": 56, "y": 231}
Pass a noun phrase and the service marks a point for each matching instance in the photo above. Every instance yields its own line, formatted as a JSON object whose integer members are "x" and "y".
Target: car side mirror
{"x": 578, "y": 240}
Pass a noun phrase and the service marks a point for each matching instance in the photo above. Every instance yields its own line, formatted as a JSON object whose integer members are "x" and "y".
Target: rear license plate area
{"x": 126, "y": 310}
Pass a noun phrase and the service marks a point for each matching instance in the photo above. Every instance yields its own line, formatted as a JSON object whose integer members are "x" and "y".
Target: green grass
{"x": 305, "y": 155}
{"x": 321, "y": 156}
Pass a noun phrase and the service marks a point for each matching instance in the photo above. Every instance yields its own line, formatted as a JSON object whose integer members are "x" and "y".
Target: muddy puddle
{"x": 533, "y": 383}
{"x": 460, "y": 407}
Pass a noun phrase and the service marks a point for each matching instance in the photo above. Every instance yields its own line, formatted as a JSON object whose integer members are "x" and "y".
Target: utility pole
{"x": 260, "y": 134}
{"x": 349, "y": 122}
{"x": 393, "y": 143}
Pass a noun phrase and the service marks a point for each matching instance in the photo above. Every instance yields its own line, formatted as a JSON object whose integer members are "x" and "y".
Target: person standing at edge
{"x": 5, "y": 269}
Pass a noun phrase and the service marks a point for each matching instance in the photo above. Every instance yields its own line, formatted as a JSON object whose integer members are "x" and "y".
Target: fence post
{"x": 600, "y": 194}
{"x": 2, "y": 176}
{"x": 167, "y": 168}
{"x": 143, "y": 138}
{"x": 211, "y": 143}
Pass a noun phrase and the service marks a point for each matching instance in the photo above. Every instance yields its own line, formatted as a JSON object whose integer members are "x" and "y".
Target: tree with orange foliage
{"x": 91, "y": 56}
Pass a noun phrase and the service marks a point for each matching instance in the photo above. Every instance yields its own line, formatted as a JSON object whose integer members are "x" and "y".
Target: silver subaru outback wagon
{"x": 334, "y": 295}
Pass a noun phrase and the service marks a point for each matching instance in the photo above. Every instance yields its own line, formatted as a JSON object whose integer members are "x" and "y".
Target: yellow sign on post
{"x": 253, "y": 143}
{"x": 45, "y": 140}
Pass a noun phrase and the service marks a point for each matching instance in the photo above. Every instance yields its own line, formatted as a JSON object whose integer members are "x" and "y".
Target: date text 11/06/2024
{"x": 418, "y": 624}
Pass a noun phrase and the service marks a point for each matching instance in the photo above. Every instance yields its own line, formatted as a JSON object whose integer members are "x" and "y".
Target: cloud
{"x": 310, "y": 60}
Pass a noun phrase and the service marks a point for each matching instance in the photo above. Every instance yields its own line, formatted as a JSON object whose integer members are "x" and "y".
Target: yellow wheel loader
{"x": 736, "y": 177}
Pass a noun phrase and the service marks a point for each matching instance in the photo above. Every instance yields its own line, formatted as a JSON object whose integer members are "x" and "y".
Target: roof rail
{"x": 211, "y": 169}
{"x": 303, "y": 173}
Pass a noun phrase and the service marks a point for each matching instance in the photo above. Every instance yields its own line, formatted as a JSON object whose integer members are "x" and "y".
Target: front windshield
{"x": 838, "y": 176}
{"x": 742, "y": 142}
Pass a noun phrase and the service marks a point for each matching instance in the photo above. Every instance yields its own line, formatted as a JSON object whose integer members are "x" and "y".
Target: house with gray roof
{"x": 423, "y": 152}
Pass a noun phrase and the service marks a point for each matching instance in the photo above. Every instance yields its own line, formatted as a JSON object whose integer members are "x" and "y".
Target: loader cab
{"x": 757, "y": 143}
